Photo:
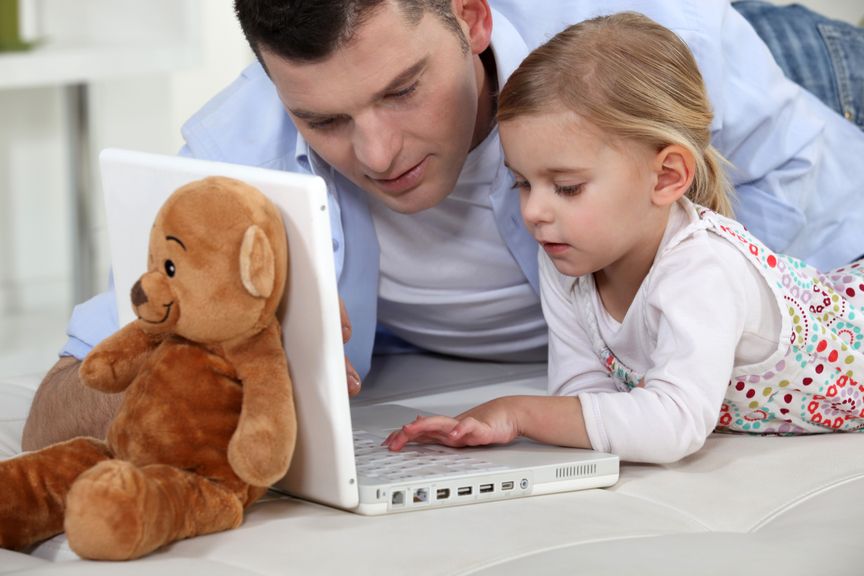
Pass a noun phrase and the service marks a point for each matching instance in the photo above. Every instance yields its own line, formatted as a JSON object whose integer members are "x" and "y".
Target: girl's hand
{"x": 491, "y": 423}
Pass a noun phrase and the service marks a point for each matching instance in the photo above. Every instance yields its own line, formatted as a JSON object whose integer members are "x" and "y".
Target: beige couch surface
{"x": 742, "y": 505}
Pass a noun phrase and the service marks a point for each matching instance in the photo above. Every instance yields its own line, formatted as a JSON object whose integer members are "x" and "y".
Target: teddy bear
{"x": 207, "y": 420}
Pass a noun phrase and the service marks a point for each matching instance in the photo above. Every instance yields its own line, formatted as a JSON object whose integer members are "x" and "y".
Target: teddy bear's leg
{"x": 117, "y": 511}
{"x": 33, "y": 488}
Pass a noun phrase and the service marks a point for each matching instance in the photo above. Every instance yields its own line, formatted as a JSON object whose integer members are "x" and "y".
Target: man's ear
{"x": 475, "y": 18}
{"x": 257, "y": 263}
{"x": 675, "y": 168}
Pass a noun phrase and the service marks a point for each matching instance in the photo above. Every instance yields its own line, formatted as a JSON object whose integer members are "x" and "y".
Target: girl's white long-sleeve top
{"x": 702, "y": 310}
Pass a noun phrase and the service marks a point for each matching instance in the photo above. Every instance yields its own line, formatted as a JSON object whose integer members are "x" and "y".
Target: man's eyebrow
{"x": 394, "y": 85}
{"x": 309, "y": 116}
{"x": 175, "y": 239}
{"x": 406, "y": 75}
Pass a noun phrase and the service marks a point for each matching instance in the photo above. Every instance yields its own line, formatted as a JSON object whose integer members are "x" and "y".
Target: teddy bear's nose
{"x": 139, "y": 297}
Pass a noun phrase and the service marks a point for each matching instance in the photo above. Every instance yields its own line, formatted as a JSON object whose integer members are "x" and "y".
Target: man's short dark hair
{"x": 311, "y": 30}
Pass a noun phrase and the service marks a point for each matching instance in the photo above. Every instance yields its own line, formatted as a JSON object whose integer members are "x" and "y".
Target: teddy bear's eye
{"x": 170, "y": 269}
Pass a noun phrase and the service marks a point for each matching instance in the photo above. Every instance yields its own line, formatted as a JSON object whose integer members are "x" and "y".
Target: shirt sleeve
{"x": 574, "y": 366}
{"x": 792, "y": 171}
{"x": 91, "y": 322}
{"x": 693, "y": 314}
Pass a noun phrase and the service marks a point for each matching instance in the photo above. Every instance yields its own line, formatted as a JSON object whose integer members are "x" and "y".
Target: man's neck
{"x": 488, "y": 97}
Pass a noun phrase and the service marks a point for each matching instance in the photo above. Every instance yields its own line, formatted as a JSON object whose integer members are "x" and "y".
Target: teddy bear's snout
{"x": 154, "y": 301}
{"x": 139, "y": 297}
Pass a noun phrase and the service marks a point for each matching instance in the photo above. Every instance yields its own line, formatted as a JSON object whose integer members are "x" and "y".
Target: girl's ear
{"x": 675, "y": 168}
{"x": 475, "y": 17}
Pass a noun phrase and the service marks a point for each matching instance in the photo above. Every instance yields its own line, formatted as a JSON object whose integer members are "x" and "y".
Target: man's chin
{"x": 410, "y": 202}
{"x": 410, "y": 207}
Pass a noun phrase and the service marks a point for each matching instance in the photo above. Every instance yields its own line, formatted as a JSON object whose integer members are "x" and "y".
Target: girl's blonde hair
{"x": 631, "y": 78}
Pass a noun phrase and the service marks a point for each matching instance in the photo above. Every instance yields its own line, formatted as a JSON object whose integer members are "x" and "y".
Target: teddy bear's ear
{"x": 257, "y": 263}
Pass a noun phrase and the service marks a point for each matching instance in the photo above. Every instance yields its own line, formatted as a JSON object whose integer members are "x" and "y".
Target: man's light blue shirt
{"x": 798, "y": 167}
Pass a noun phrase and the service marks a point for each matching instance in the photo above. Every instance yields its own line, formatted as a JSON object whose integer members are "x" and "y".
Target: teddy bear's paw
{"x": 99, "y": 370}
{"x": 106, "y": 513}
{"x": 256, "y": 459}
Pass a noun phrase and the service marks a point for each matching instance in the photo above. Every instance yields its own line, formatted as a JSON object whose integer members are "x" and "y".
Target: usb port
{"x": 421, "y": 495}
{"x": 442, "y": 493}
{"x": 464, "y": 491}
{"x": 486, "y": 488}
{"x": 507, "y": 485}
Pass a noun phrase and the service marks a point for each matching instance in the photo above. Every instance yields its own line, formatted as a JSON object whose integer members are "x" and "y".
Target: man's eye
{"x": 325, "y": 124}
{"x": 405, "y": 93}
{"x": 321, "y": 124}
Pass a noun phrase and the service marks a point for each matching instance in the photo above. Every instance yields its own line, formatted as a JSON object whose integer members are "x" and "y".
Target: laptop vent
{"x": 577, "y": 471}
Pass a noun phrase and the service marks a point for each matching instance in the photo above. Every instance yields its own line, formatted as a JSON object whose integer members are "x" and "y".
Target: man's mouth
{"x": 405, "y": 181}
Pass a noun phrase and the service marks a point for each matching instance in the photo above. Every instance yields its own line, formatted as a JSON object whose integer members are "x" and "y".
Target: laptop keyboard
{"x": 412, "y": 462}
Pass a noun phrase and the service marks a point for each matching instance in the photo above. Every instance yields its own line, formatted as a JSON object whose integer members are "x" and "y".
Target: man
{"x": 392, "y": 102}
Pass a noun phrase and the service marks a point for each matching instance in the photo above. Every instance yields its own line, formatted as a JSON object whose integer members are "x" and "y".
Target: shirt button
{"x": 849, "y": 114}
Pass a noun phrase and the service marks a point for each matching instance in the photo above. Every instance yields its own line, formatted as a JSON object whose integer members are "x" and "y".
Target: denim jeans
{"x": 824, "y": 56}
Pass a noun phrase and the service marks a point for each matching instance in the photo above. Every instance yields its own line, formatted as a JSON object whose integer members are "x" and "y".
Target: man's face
{"x": 395, "y": 110}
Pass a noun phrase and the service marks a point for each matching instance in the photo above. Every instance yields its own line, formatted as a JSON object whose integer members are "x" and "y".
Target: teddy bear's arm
{"x": 263, "y": 444}
{"x": 113, "y": 363}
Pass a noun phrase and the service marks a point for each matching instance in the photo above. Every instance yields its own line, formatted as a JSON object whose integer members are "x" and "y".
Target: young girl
{"x": 667, "y": 320}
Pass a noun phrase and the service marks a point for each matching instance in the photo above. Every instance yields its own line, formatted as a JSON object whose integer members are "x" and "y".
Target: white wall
{"x": 32, "y": 200}
{"x": 147, "y": 113}
{"x": 139, "y": 109}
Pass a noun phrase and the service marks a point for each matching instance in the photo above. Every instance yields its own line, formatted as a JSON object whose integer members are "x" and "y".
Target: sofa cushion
{"x": 742, "y": 504}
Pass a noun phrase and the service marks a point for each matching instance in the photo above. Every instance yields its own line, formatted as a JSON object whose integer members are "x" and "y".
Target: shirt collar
{"x": 507, "y": 45}
{"x": 509, "y": 49}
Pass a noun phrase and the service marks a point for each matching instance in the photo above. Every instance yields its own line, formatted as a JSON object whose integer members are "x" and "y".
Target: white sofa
{"x": 742, "y": 505}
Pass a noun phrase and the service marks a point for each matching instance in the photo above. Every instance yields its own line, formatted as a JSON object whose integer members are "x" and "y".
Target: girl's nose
{"x": 536, "y": 208}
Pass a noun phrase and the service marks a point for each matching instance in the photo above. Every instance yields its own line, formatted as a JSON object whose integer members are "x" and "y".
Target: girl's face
{"x": 586, "y": 198}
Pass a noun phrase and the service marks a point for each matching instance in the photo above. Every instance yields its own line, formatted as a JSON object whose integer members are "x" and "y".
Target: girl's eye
{"x": 521, "y": 185}
{"x": 170, "y": 269}
{"x": 571, "y": 190}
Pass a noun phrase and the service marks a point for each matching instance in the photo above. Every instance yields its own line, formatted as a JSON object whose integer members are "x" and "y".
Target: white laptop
{"x": 324, "y": 468}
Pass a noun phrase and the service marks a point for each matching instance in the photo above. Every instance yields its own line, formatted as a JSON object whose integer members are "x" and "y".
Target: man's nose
{"x": 377, "y": 144}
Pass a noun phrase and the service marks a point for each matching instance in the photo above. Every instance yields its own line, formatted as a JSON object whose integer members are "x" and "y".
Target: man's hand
{"x": 351, "y": 374}
{"x": 491, "y": 423}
